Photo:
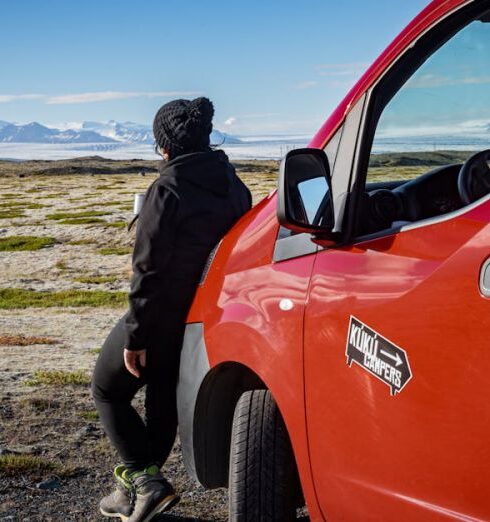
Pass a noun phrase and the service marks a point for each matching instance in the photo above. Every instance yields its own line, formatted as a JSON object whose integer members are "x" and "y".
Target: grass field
{"x": 65, "y": 257}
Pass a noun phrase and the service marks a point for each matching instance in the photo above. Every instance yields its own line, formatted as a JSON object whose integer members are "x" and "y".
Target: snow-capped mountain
{"x": 130, "y": 132}
{"x": 36, "y": 133}
{"x": 127, "y": 132}
{"x": 91, "y": 132}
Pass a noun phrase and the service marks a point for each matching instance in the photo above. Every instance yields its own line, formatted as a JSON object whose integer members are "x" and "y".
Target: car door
{"x": 396, "y": 347}
{"x": 413, "y": 446}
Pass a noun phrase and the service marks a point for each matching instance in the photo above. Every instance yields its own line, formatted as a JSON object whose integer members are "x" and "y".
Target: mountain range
{"x": 89, "y": 132}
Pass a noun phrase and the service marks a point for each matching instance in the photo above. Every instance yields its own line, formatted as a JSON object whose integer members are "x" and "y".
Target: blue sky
{"x": 269, "y": 66}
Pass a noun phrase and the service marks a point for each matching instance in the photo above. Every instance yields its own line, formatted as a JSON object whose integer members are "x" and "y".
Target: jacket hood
{"x": 209, "y": 171}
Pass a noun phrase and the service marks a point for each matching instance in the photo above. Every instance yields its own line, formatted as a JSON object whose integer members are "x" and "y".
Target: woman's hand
{"x": 134, "y": 360}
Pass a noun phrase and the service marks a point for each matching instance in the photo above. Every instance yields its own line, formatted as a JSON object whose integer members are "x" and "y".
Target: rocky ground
{"x": 55, "y": 461}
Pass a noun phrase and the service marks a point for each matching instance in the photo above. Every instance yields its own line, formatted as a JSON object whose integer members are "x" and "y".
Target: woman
{"x": 186, "y": 211}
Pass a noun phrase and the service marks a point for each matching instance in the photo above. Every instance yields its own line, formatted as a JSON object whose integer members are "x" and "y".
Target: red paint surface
{"x": 362, "y": 454}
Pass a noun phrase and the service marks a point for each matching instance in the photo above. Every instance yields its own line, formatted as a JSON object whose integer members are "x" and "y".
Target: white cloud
{"x": 240, "y": 122}
{"x": 309, "y": 84}
{"x": 7, "y": 98}
{"x": 91, "y": 97}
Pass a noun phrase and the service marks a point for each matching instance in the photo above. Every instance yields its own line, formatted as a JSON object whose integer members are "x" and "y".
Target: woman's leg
{"x": 113, "y": 389}
{"x": 161, "y": 396}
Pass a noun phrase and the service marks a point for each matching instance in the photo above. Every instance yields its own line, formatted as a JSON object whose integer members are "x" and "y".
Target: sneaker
{"x": 120, "y": 503}
{"x": 153, "y": 494}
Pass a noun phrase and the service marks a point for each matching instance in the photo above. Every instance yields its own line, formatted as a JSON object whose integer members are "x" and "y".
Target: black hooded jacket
{"x": 186, "y": 211}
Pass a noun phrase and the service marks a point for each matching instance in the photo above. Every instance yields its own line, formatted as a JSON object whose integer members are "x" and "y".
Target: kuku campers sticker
{"x": 377, "y": 355}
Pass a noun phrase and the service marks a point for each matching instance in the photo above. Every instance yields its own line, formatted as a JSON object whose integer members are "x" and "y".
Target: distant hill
{"x": 418, "y": 159}
{"x": 91, "y": 132}
{"x": 36, "y": 133}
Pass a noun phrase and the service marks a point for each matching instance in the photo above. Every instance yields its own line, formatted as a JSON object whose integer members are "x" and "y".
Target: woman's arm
{"x": 152, "y": 251}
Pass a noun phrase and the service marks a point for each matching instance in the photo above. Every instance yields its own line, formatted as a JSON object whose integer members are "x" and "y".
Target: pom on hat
{"x": 183, "y": 126}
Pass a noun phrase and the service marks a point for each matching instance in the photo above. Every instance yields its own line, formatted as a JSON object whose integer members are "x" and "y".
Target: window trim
{"x": 381, "y": 93}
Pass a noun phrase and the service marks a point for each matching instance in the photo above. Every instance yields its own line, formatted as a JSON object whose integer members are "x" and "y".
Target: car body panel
{"x": 402, "y": 457}
{"x": 239, "y": 306}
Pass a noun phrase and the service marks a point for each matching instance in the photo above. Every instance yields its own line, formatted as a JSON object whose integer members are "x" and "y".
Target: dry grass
{"x": 80, "y": 242}
{"x": 96, "y": 280}
{"x": 40, "y": 404}
{"x": 24, "y": 340}
{"x": 20, "y": 465}
{"x": 58, "y": 378}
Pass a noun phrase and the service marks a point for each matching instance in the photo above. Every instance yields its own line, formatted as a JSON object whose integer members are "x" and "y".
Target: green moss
{"x": 54, "y": 195}
{"x": 11, "y": 214}
{"x": 95, "y": 280}
{"x": 118, "y": 251}
{"x": 77, "y": 215}
{"x": 99, "y": 204}
{"x": 15, "y": 298}
{"x": 95, "y": 351}
{"x": 18, "y": 205}
{"x": 58, "y": 378}
{"x": 91, "y": 415}
{"x": 82, "y": 242}
{"x": 116, "y": 224}
{"x": 21, "y": 243}
{"x": 82, "y": 221}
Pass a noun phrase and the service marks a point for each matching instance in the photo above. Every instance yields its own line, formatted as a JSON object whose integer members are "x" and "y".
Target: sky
{"x": 269, "y": 66}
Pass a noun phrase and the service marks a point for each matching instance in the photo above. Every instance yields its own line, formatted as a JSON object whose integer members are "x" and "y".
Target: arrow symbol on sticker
{"x": 398, "y": 360}
{"x": 377, "y": 355}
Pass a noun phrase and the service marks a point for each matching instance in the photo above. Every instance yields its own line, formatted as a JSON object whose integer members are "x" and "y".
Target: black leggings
{"x": 139, "y": 444}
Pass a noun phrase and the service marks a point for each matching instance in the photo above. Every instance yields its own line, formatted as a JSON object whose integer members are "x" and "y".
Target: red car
{"x": 337, "y": 351}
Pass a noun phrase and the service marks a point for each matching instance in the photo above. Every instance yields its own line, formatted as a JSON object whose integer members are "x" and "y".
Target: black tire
{"x": 263, "y": 481}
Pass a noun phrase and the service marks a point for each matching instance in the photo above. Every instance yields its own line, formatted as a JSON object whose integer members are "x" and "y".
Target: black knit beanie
{"x": 184, "y": 126}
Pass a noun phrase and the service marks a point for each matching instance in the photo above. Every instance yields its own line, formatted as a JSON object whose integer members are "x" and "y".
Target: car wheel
{"x": 263, "y": 481}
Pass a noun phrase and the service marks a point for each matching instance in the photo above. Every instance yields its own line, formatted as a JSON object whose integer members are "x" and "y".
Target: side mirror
{"x": 305, "y": 202}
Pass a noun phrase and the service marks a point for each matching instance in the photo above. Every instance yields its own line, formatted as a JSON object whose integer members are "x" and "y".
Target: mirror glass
{"x": 312, "y": 191}
{"x": 309, "y": 198}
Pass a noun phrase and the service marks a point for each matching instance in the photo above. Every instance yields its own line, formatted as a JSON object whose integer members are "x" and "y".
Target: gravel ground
{"x": 56, "y": 423}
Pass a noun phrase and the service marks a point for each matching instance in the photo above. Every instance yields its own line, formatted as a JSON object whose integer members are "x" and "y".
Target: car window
{"x": 441, "y": 114}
